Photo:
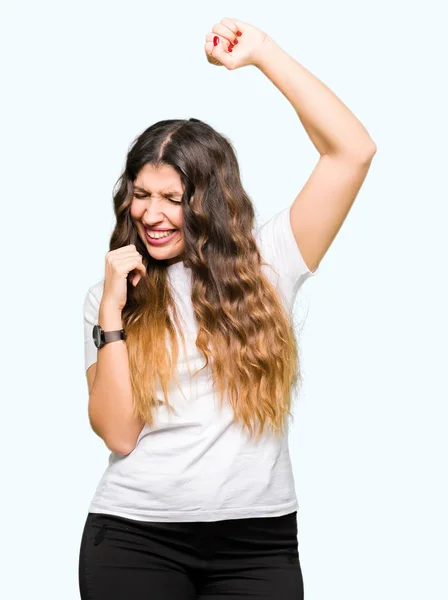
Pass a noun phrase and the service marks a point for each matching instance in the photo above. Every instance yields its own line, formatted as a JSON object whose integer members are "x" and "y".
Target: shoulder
{"x": 284, "y": 263}
{"x": 96, "y": 290}
{"x": 94, "y": 294}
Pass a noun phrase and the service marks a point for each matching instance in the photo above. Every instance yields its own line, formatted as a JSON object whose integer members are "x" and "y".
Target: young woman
{"x": 198, "y": 498}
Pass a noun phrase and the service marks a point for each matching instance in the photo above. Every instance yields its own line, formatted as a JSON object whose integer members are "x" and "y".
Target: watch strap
{"x": 114, "y": 336}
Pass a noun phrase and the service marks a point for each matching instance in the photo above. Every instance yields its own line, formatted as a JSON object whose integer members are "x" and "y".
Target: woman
{"x": 198, "y": 499}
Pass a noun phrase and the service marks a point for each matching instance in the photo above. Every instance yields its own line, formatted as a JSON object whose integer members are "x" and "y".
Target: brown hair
{"x": 244, "y": 331}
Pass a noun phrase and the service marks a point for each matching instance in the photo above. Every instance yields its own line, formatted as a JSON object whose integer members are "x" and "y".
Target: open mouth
{"x": 164, "y": 239}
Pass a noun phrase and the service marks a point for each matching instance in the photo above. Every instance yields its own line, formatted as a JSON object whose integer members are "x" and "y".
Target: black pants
{"x": 126, "y": 559}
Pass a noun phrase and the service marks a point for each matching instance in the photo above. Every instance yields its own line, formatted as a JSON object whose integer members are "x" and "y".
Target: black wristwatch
{"x": 101, "y": 337}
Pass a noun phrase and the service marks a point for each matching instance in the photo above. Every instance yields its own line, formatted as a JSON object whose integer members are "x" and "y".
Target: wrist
{"x": 265, "y": 51}
{"x": 109, "y": 317}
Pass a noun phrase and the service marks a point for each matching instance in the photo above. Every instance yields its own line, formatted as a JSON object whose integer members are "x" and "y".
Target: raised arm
{"x": 345, "y": 147}
{"x": 346, "y": 151}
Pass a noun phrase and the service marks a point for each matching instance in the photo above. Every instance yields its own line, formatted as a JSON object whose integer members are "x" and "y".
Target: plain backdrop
{"x": 80, "y": 80}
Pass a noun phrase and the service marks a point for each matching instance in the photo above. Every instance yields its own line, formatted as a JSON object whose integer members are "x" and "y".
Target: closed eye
{"x": 140, "y": 197}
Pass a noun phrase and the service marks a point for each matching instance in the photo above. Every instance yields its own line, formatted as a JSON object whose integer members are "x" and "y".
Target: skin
{"x": 345, "y": 147}
{"x": 152, "y": 208}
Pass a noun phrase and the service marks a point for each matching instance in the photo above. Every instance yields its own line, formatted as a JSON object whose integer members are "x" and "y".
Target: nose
{"x": 152, "y": 215}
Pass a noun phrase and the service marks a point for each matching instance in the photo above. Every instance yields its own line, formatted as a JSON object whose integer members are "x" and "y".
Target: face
{"x": 157, "y": 205}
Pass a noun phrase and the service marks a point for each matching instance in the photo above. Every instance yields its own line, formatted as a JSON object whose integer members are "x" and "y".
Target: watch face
{"x": 97, "y": 335}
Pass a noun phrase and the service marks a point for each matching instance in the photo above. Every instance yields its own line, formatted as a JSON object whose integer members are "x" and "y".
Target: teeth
{"x": 158, "y": 235}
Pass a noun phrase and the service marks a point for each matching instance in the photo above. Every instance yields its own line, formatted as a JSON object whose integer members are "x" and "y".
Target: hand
{"x": 234, "y": 50}
{"x": 121, "y": 263}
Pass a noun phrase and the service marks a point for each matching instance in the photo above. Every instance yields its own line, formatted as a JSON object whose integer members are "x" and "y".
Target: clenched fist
{"x": 233, "y": 44}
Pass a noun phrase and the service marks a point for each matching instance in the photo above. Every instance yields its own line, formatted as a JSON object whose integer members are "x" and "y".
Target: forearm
{"x": 111, "y": 399}
{"x": 331, "y": 126}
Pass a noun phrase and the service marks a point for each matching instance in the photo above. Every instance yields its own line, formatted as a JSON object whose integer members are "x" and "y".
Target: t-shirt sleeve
{"x": 91, "y": 311}
{"x": 278, "y": 247}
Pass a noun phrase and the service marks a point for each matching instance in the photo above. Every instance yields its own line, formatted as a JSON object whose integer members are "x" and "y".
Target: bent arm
{"x": 110, "y": 391}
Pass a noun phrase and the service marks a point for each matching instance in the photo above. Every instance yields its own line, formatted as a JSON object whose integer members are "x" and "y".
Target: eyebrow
{"x": 167, "y": 193}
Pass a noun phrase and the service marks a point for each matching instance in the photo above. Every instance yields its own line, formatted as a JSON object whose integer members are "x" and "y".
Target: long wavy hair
{"x": 244, "y": 332}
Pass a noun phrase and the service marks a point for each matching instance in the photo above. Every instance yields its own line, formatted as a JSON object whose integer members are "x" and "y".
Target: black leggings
{"x": 126, "y": 559}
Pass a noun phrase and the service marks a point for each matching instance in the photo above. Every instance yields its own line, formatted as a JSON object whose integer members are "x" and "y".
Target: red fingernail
{"x": 230, "y": 48}
{"x": 215, "y": 40}
{"x": 235, "y": 42}
{"x": 239, "y": 32}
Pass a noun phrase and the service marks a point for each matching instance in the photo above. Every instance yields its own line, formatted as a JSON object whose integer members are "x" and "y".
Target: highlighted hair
{"x": 244, "y": 332}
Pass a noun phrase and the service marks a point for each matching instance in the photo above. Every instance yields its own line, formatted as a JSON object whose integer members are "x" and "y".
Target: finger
{"x": 234, "y": 24}
{"x": 141, "y": 272}
{"x": 221, "y": 51}
{"x": 210, "y": 44}
{"x": 209, "y": 49}
{"x": 231, "y": 25}
{"x": 223, "y": 55}
{"x": 224, "y": 32}
{"x": 125, "y": 249}
{"x": 210, "y": 37}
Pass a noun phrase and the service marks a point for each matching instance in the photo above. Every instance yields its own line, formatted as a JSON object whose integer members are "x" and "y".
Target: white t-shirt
{"x": 198, "y": 464}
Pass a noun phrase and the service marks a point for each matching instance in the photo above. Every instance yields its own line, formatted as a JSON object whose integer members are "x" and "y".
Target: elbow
{"x": 361, "y": 155}
{"x": 114, "y": 443}
{"x": 367, "y": 155}
{"x": 117, "y": 444}
{"x": 119, "y": 448}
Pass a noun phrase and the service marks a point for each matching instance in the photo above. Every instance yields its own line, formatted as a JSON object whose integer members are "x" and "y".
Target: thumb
{"x": 140, "y": 273}
{"x": 218, "y": 52}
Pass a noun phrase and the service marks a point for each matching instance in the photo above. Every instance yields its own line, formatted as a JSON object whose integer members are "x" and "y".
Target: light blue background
{"x": 369, "y": 446}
